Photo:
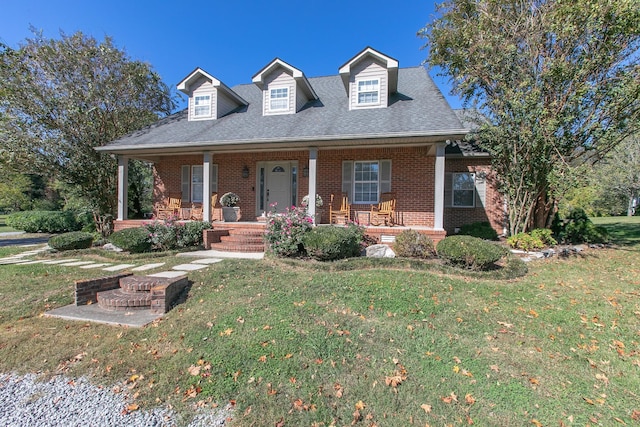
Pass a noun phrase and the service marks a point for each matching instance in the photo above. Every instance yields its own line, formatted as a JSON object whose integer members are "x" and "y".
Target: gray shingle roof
{"x": 417, "y": 109}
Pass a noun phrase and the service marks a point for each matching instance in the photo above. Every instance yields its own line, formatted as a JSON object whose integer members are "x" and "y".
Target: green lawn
{"x": 340, "y": 345}
{"x": 3, "y": 225}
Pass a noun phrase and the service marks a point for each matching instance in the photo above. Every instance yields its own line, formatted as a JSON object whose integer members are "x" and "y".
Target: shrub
{"x": 545, "y": 235}
{"x": 134, "y": 240}
{"x": 578, "y": 228}
{"x": 192, "y": 234}
{"x": 482, "y": 230}
{"x": 285, "y": 231}
{"x": 469, "y": 252}
{"x": 413, "y": 244}
{"x": 525, "y": 241}
{"x": 229, "y": 199}
{"x": 43, "y": 221}
{"x": 72, "y": 240}
{"x": 331, "y": 243}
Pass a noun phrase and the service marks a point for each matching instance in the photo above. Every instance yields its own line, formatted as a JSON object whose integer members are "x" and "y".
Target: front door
{"x": 278, "y": 185}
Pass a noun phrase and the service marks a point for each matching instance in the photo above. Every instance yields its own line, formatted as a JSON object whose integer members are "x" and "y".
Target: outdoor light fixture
{"x": 245, "y": 172}
{"x": 305, "y": 171}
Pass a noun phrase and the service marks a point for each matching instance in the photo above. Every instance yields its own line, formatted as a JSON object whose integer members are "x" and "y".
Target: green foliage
{"x": 61, "y": 98}
{"x": 44, "y": 221}
{"x": 169, "y": 234}
{"x": 556, "y": 83}
{"x": 13, "y": 189}
{"x": 72, "y": 240}
{"x": 482, "y": 230}
{"x": 229, "y": 199}
{"x": 525, "y": 241}
{"x": 134, "y": 240}
{"x": 413, "y": 244}
{"x": 578, "y": 228}
{"x": 331, "y": 243}
{"x": 545, "y": 235}
{"x": 469, "y": 252}
{"x": 285, "y": 231}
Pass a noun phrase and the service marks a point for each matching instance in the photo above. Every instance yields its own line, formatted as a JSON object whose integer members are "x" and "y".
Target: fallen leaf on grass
{"x": 427, "y": 408}
{"x": 536, "y": 423}
{"x": 227, "y": 332}
{"x": 194, "y": 370}
{"x": 469, "y": 399}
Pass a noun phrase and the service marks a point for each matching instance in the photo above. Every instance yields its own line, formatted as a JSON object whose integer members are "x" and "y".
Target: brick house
{"x": 371, "y": 128}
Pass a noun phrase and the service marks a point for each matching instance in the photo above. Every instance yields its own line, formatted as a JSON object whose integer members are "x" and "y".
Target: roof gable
{"x": 193, "y": 77}
{"x": 390, "y": 64}
{"x": 301, "y": 80}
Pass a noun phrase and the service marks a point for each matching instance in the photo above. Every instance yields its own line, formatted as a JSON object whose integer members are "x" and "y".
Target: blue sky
{"x": 234, "y": 39}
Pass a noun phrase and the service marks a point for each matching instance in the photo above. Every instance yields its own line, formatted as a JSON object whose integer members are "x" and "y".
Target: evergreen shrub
{"x": 331, "y": 243}
{"x": 72, "y": 240}
{"x": 44, "y": 221}
{"x": 413, "y": 244}
{"x": 134, "y": 240}
{"x": 469, "y": 252}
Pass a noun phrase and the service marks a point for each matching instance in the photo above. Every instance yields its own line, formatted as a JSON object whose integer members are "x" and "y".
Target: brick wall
{"x": 494, "y": 210}
{"x": 86, "y": 290}
{"x": 165, "y": 294}
{"x": 412, "y": 181}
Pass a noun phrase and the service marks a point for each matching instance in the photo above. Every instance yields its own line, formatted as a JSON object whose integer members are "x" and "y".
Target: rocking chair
{"x": 343, "y": 213}
{"x": 385, "y": 211}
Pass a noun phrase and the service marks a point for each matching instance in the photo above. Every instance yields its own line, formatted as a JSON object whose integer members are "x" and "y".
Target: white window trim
{"x": 359, "y": 92}
{"x": 193, "y": 195}
{"x": 453, "y": 190}
{"x": 209, "y": 113}
{"x": 187, "y": 185}
{"x": 286, "y": 106}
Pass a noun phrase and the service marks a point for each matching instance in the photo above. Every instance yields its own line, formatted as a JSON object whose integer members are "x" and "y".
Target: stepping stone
{"x": 206, "y": 261}
{"x": 188, "y": 267}
{"x": 60, "y": 261}
{"x": 13, "y": 261}
{"x": 168, "y": 274}
{"x": 76, "y": 263}
{"x": 148, "y": 266}
{"x": 37, "y": 261}
{"x": 118, "y": 267}
{"x": 95, "y": 265}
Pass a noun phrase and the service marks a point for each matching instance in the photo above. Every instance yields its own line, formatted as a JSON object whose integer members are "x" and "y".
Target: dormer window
{"x": 279, "y": 99}
{"x": 368, "y": 92}
{"x": 202, "y": 106}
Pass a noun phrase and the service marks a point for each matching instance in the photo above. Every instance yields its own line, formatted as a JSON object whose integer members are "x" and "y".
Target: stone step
{"x": 118, "y": 300}
{"x": 245, "y": 232}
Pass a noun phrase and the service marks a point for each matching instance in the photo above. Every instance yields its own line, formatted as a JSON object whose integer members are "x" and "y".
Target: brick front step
{"x": 242, "y": 239}
{"x": 237, "y": 247}
{"x": 117, "y": 299}
{"x": 133, "y": 284}
{"x": 245, "y": 232}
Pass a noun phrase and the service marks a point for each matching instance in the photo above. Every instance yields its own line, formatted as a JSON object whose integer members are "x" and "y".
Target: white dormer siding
{"x": 368, "y": 85}
{"x": 209, "y": 98}
{"x": 203, "y": 94}
{"x": 279, "y": 93}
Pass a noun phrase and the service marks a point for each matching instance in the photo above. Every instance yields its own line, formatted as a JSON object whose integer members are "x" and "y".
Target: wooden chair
{"x": 343, "y": 213}
{"x": 172, "y": 208}
{"x": 196, "y": 212}
{"x": 385, "y": 211}
{"x": 216, "y": 213}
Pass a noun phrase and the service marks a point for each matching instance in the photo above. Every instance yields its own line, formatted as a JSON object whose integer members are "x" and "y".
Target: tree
{"x": 557, "y": 81}
{"x": 62, "y": 98}
{"x": 618, "y": 174}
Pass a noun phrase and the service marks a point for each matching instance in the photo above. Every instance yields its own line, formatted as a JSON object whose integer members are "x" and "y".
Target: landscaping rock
{"x": 380, "y": 251}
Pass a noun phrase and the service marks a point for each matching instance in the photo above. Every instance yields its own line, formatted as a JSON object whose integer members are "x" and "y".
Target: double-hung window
{"x": 464, "y": 194}
{"x": 279, "y": 99}
{"x": 366, "y": 181}
{"x": 202, "y": 106}
{"x": 197, "y": 183}
{"x": 368, "y": 92}
{"x": 192, "y": 182}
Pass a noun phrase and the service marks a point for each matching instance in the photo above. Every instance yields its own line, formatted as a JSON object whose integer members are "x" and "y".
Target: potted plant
{"x": 230, "y": 209}
{"x": 319, "y": 203}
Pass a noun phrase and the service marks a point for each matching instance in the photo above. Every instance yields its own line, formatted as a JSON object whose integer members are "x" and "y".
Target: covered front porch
{"x": 267, "y": 180}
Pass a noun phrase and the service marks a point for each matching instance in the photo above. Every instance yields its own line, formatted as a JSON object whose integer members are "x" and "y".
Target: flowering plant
{"x": 285, "y": 230}
{"x": 229, "y": 199}
{"x": 305, "y": 201}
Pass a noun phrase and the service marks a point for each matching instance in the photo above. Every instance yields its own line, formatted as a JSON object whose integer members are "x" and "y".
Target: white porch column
{"x": 313, "y": 158}
{"x": 206, "y": 187}
{"x": 438, "y": 200}
{"x": 123, "y": 185}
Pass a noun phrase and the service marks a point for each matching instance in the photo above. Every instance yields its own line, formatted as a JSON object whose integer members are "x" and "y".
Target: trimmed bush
{"x": 44, "y": 221}
{"x": 134, "y": 240}
{"x": 469, "y": 252}
{"x": 482, "y": 230}
{"x": 331, "y": 243}
{"x": 72, "y": 240}
{"x": 578, "y": 228}
{"x": 413, "y": 244}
